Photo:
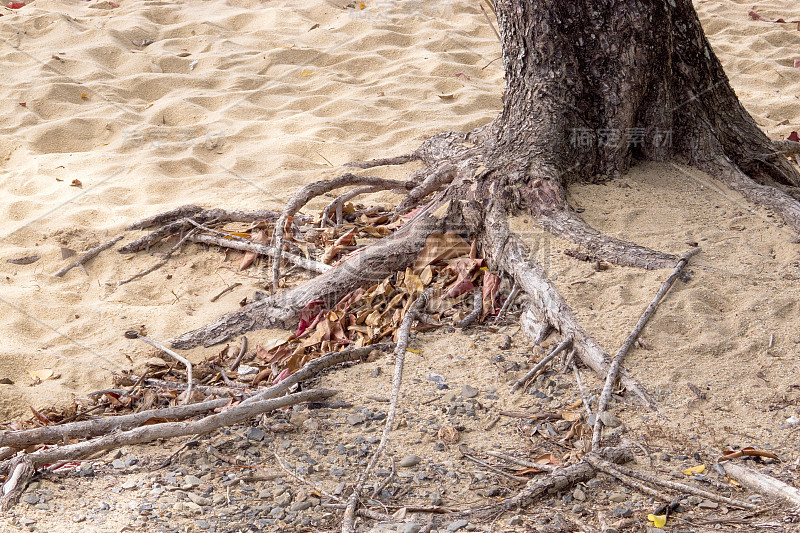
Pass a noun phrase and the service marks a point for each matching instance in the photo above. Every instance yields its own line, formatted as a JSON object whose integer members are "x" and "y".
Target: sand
{"x": 235, "y": 104}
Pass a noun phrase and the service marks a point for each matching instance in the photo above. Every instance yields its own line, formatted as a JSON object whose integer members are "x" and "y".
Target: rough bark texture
{"x": 592, "y": 86}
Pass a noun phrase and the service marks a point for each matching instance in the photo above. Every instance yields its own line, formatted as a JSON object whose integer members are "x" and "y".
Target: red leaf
{"x": 308, "y": 315}
{"x": 15, "y": 5}
{"x": 794, "y": 137}
{"x": 23, "y": 104}
{"x": 797, "y": 63}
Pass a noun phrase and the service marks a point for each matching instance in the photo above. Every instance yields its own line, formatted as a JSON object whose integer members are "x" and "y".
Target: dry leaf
{"x": 42, "y": 374}
{"x": 658, "y": 520}
{"x": 699, "y": 469}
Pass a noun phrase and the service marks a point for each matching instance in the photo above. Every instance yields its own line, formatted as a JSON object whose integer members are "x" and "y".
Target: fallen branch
{"x": 617, "y": 470}
{"x": 348, "y": 522}
{"x": 762, "y": 483}
{"x": 91, "y": 254}
{"x": 558, "y": 480}
{"x": 168, "y": 430}
{"x": 228, "y": 240}
{"x": 616, "y": 363}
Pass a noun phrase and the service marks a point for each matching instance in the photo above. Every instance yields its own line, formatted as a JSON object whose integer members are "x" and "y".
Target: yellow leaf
{"x": 306, "y": 73}
{"x": 84, "y": 95}
{"x": 658, "y": 520}
{"x": 362, "y": 5}
{"x": 42, "y": 374}
{"x": 412, "y": 351}
{"x": 699, "y": 469}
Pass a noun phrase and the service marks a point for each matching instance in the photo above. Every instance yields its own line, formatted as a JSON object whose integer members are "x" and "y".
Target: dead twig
{"x": 616, "y": 363}
{"x": 510, "y": 300}
{"x": 91, "y": 254}
{"x": 517, "y": 479}
{"x": 183, "y": 360}
{"x": 348, "y": 522}
{"x": 477, "y": 308}
{"x": 242, "y": 351}
{"x": 161, "y": 263}
{"x": 224, "y": 291}
{"x": 619, "y": 470}
{"x": 541, "y": 364}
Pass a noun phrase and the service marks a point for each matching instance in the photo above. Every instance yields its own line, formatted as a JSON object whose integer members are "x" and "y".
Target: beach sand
{"x": 236, "y": 103}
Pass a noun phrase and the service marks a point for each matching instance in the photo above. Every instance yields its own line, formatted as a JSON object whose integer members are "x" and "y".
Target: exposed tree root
{"x": 616, "y": 363}
{"x": 558, "y": 480}
{"x": 307, "y": 193}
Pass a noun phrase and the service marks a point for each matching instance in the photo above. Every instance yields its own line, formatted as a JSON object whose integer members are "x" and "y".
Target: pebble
{"x": 617, "y": 497}
{"x": 119, "y": 464}
{"x": 458, "y": 524}
{"x": 436, "y": 498}
{"x": 311, "y": 425}
{"x": 301, "y": 506}
{"x": 515, "y": 520}
{"x": 256, "y": 434}
{"x": 411, "y": 527}
{"x": 708, "y": 504}
{"x": 410, "y": 460}
{"x": 579, "y": 495}
{"x": 199, "y": 500}
{"x": 191, "y": 481}
{"x": 435, "y": 378}
{"x": 190, "y": 507}
{"x": 609, "y": 420}
{"x": 78, "y": 518}
{"x": 31, "y": 499}
{"x": 356, "y": 418}
{"x": 621, "y": 511}
{"x": 468, "y": 391}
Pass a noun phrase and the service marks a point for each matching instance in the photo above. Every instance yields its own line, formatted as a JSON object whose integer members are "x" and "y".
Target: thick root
{"x": 370, "y": 265}
{"x": 506, "y": 251}
{"x": 568, "y": 225}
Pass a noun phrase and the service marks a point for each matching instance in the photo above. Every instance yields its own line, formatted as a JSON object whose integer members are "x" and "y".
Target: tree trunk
{"x": 592, "y": 86}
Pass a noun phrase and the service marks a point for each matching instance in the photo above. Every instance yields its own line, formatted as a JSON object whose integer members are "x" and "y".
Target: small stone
{"x": 609, "y": 420}
{"x": 256, "y": 434}
{"x": 792, "y": 421}
{"x": 27, "y": 522}
{"x": 78, "y": 518}
{"x": 435, "y": 378}
{"x": 410, "y": 460}
{"x": 356, "y": 418}
{"x": 311, "y": 425}
{"x": 129, "y": 484}
{"x": 708, "y": 504}
{"x": 277, "y": 512}
{"x": 458, "y": 524}
{"x": 284, "y": 499}
{"x": 410, "y": 527}
{"x": 693, "y": 500}
{"x": 620, "y": 511}
{"x": 191, "y": 481}
{"x": 579, "y": 495}
{"x": 515, "y": 520}
{"x": 119, "y": 464}
{"x": 436, "y": 498}
{"x": 31, "y": 499}
{"x": 468, "y": 391}
{"x": 189, "y": 507}
{"x": 199, "y": 500}
{"x": 617, "y": 497}
{"x": 301, "y": 506}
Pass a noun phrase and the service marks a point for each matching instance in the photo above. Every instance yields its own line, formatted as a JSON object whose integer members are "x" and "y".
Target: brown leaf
{"x": 76, "y": 183}
{"x": 440, "y": 246}
{"x": 259, "y": 237}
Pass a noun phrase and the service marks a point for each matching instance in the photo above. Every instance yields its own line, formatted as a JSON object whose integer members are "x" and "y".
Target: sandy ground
{"x": 234, "y": 104}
